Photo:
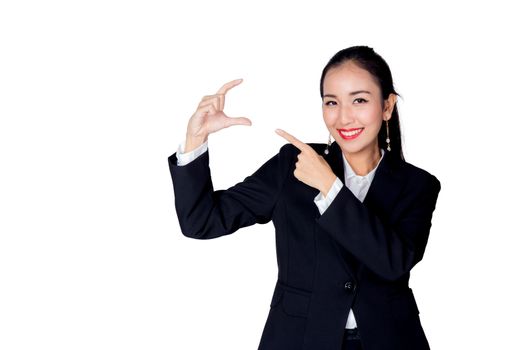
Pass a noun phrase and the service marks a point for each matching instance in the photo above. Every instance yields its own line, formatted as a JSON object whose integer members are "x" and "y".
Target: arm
{"x": 389, "y": 250}
{"x": 205, "y": 213}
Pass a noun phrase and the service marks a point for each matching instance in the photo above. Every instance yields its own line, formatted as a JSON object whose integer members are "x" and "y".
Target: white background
{"x": 95, "y": 95}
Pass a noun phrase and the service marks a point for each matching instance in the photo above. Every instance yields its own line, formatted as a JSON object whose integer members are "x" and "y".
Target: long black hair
{"x": 366, "y": 58}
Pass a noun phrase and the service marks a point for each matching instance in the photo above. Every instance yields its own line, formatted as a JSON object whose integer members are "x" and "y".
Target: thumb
{"x": 238, "y": 121}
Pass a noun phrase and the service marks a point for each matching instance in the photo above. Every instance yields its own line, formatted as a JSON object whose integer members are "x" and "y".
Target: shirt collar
{"x": 349, "y": 172}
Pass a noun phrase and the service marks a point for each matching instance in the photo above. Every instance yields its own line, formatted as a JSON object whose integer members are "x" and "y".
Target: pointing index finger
{"x": 293, "y": 140}
{"x": 228, "y": 86}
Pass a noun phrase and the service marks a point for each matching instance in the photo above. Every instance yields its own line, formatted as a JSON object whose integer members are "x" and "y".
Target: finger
{"x": 221, "y": 102}
{"x": 228, "y": 86}
{"x": 214, "y": 101}
{"x": 238, "y": 121}
{"x": 207, "y": 109}
{"x": 220, "y": 98}
{"x": 292, "y": 139}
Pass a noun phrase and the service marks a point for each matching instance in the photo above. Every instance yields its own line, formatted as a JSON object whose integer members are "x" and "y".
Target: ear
{"x": 389, "y": 106}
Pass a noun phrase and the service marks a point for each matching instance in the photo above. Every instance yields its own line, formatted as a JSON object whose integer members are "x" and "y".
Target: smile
{"x": 350, "y": 134}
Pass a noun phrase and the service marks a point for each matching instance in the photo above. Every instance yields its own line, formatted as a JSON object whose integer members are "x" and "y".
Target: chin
{"x": 353, "y": 148}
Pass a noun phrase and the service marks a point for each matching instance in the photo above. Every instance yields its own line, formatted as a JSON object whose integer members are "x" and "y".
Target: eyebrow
{"x": 351, "y": 93}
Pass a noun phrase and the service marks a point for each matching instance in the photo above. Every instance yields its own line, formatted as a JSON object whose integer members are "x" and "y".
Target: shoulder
{"x": 288, "y": 147}
{"x": 287, "y": 152}
{"x": 292, "y": 151}
{"x": 419, "y": 177}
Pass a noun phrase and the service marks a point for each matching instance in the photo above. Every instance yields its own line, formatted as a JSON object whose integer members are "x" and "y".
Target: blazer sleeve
{"x": 389, "y": 250}
{"x": 205, "y": 213}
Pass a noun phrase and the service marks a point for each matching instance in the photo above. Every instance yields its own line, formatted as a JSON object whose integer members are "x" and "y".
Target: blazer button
{"x": 350, "y": 286}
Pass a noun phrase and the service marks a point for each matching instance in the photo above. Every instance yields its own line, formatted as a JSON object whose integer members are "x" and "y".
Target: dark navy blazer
{"x": 356, "y": 255}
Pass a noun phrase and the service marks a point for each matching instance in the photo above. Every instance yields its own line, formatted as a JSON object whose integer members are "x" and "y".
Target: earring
{"x": 387, "y": 137}
{"x": 326, "y": 151}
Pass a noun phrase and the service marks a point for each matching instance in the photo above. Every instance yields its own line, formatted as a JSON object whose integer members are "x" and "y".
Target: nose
{"x": 346, "y": 115}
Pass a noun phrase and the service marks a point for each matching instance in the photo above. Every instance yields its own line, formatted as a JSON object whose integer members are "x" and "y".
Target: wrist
{"x": 192, "y": 142}
{"x": 327, "y": 185}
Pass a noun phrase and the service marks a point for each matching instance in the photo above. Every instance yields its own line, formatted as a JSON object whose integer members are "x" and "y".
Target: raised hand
{"x": 209, "y": 117}
{"x": 310, "y": 168}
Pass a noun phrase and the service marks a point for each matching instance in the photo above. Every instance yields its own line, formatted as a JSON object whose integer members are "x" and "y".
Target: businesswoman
{"x": 351, "y": 217}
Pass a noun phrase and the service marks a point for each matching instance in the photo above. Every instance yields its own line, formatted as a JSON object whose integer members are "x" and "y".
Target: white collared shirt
{"x": 357, "y": 184}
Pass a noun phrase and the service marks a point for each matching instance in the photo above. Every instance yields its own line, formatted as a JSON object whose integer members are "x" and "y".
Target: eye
{"x": 360, "y": 99}
{"x": 330, "y": 103}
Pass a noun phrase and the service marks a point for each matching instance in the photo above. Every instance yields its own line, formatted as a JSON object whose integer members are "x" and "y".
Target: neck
{"x": 364, "y": 161}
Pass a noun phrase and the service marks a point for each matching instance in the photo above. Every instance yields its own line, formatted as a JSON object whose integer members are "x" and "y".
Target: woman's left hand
{"x": 311, "y": 168}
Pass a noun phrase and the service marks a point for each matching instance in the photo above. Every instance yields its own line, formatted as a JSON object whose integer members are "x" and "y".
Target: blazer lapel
{"x": 381, "y": 197}
{"x": 386, "y": 185}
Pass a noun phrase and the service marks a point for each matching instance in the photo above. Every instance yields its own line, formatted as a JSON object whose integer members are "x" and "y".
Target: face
{"x": 352, "y": 108}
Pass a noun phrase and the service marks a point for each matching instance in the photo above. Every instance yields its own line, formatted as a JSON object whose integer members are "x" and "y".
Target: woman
{"x": 351, "y": 217}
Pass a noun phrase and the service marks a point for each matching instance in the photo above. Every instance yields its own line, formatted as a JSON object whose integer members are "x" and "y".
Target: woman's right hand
{"x": 209, "y": 117}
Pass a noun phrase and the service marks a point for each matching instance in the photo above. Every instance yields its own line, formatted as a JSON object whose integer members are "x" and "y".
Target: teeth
{"x": 350, "y": 133}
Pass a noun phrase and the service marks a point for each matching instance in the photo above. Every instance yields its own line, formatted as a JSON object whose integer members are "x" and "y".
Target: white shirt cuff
{"x": 185, "y": 158}
{"x": 323, "y": 202}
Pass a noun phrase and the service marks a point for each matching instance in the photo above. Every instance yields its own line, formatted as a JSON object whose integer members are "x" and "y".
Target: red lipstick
{"x": 350, "y": 134}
